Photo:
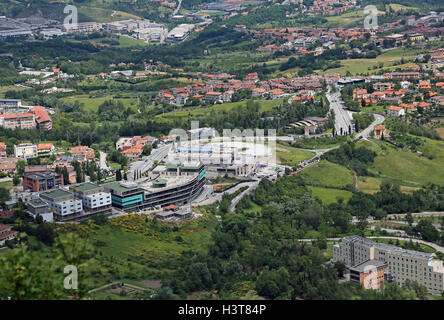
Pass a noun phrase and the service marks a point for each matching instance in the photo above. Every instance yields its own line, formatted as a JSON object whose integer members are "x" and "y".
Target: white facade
{"x": 96, "y": 200}
{"x": 25, "y": 151}
{"x": 66, "y": 207}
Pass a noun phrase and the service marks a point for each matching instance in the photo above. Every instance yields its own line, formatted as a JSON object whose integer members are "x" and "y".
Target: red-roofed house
{"x": 396, "y": 111}
{"x": 379, "y": 130}
{"x": 3, "y": 150}
{"x": 42, "y": 118}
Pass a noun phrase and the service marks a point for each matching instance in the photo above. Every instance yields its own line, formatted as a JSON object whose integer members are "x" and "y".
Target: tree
{"x": 21, "y": 164}
{"x": 16, "y": 180}
{"x": 118, "y": 175}
{"x": 340, "y": 268}
{"x": 4, "y": 196}
{"x": 409, "y": 218}
{"x": 65, "y": 175}
{"x": 147, "y": 150}
{"x": 273, "y": 283}
{"x": 163, "y": 293}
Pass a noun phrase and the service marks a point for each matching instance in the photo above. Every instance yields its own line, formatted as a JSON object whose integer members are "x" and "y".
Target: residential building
{"x": 6, "y": 233}
{"x": 10, "y": 103}
{"x": 63, "y": 203}
{"x": 8, "y": 165}
{"x": 94, "y": 198}
{"x": 402, "y": 264}
{"x": 379, "y": 131}
{"x": 45, "y": 148}
{"x": 83, "y": 151}
{"x": 42, "y": 119}
{"x": 25, "y": 151}
{"x": 3, "y": 150}
{"x": 395, "y": 111}
{"x": 25, "y": 120}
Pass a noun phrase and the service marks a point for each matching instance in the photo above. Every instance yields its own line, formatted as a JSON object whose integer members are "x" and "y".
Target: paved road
{"x": 236, "y": 200}
{"x": 177, "y": 9}
{"x": 343, "y": 120}
{"x": 218, "y": 196}
{"x": 102, "y": 161}
{"x": 364, "y": 134}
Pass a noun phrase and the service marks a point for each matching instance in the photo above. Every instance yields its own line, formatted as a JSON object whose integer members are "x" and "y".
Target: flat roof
{"x": 37, "y": 202}
{"x": 368, "y": 265}
{"x": 55, "y": 194}
{"x": 85, "y": 187}
{"x": 116, "y": 185}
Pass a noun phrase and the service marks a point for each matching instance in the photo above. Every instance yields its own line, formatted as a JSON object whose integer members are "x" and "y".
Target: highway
{"x": 343, "y": 121}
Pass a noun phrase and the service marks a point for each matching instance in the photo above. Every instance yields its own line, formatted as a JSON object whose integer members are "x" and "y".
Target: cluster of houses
{"x": 424, "y": 92}
{"x": 132, "y": 147}
{"x": 214, "y": 89}
{"x": 300, "y": 39}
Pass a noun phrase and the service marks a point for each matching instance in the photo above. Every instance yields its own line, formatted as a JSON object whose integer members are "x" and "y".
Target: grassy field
{"x": 126, "y": 42}
{"x": 328, "y": 174}
{"x": 265, "y": 105}
{"x": 366, "y": 65}
{"x": 371, "y": 185}
{"x": 406, "y": 166}
{"x": 6, "y": 184}
{"x": 104, "y": 15}
{"x": 345, "y": 19}
{"x": 329, "y": 195}
{"x": 92, "y": 104}
{"x": 399, "y": 7}
{"x": 291, "y": 156}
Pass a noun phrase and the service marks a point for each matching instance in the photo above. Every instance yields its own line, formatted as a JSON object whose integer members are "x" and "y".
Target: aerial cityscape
{"x": 193, "y": 150}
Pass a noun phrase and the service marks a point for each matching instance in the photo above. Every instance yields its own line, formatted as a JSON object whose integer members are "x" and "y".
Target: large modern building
{"x": 179, "y": 33}
{"x": 94, "y": 198}
{"x": 401, "y": 264}
{"x": 175, "y": 183}
{"x": 42, "y": 181}
{"x": 66, "y": 207}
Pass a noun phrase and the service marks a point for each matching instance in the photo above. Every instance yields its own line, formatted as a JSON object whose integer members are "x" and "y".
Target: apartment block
{"x": 64, "y": 204}
{"x": 25, "y": 151}
{"x": 94, "y": 198}
{"x": 83, "y": 151}
{"x": 401, "y": 264}
{"x": 25, "y": 120}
